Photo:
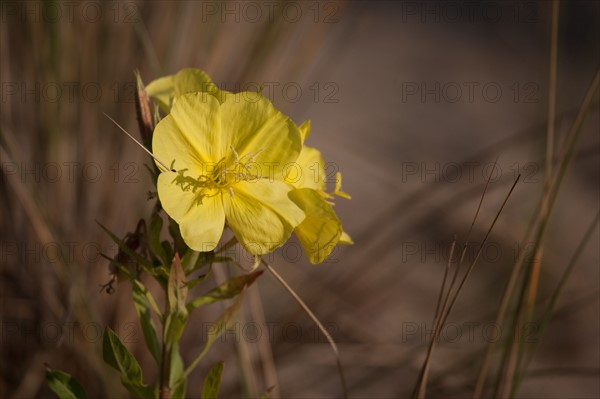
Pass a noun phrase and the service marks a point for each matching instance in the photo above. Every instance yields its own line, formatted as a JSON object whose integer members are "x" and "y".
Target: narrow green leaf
{"x": 137, "y": 284}
{"x": 224, "y": 322}
{"x": 177, "y": 390}
{"x": 143, "y": 310}
{"x": 226, "y": 290}
{"x": 192, "y": 283}
{"x": 176, "y": 294}
{"x": 180, "y": 245}
{"x": 210, "y": 262}
{"x": 194, "y": 260}
{"x": 212, "y": 382}
{"x": 156, "y": 224}
{"x": 188, "y": 262}
{"x": 116, "y": 355}
{"x": 64, "y": 385}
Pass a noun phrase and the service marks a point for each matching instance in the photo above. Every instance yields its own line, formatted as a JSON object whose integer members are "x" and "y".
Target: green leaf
{"x": 224, "y": 322}
{"x": 177, "y": 390}
{"x": 192, "y": 283}
{"x": 194, "y": 260}
{"x": 151, "y": 301}
{"x": 156, "y": 224}
{"x": 180, "y": 245}
{"x": 64, "y": 385}
{"x": 212, "y": 382}
{"x": 142, "y": 307}
{"x": 176, "y": 294}
{"x": 116, "y": 355}
{"x": 137, "y": 284}
{"x": 226, "y": 290}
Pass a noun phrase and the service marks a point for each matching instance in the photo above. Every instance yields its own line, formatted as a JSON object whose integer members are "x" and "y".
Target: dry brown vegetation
{"x": 413, "y": 106}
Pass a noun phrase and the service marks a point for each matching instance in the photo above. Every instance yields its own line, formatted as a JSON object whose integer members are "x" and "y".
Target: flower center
{"x": 219, "y": 177}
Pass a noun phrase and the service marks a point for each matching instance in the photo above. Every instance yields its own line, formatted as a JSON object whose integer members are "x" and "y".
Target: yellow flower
{"x": 228, "y": 159}
{"x": 165, "y": 90}
{"x": 321, "y": 230}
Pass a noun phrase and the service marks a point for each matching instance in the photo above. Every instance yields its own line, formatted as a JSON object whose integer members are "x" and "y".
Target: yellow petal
{"x": 308, "y": 170}
{"x": 201, "y": 223}
{"x": 338, "y": 187}
{"x": 190, "y": 134}
{"x": 345, "y": 239}
{"x": 320, "y": 231}
{"x": 304, "y": 130}
{"x": 261, "y": 215}
{"x": 190, "y": 80}
{"x": 256, "y": 128}
{"x": 162, "y": 91}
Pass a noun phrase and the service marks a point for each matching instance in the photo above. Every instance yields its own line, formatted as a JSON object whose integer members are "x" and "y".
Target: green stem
{"x": 166, "y": 358}
{"x": 165, "y": 391}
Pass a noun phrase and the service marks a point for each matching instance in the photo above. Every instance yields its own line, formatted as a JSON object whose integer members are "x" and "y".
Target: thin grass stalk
{"x": 468, "y": 238}
{"x": 547, "y": 315}
{"x": 243, "y": 352}
{"x": 537, "y": 259}
{"x": 541, "y": 220}
{"x": 548, "y": 204}
{"x": 446, "y": 312}
{"x": 466, "y": 243}
{"x": 480, "y": 250}
{"x": 421, "y": 384}
{"x": 552, "y": 77}
{"x": 264, "y": 348}
{"x": 77, "y": 308}
{"x": 424, "y": 373}
{"x": 510, "y": 355}
{"x": 528, "y": 299}
{"x": 568, "y": 147}
{"x": 444, "y": 281}
{"x": 314, "y": 318}
{"x": 511, "y": 359}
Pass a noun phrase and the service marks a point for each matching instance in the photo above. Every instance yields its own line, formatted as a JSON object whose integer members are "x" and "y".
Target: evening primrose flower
{"x": 227, "y": 161}
{"x": 165, "y": 90}
{"x": 321, "y": 230}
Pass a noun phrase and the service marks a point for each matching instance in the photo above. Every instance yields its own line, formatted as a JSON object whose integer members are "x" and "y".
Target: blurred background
{"x": 412, "y": 101}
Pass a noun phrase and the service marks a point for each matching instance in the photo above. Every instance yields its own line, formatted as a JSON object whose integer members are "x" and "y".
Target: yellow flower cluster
{"x": 236, "y": 161}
